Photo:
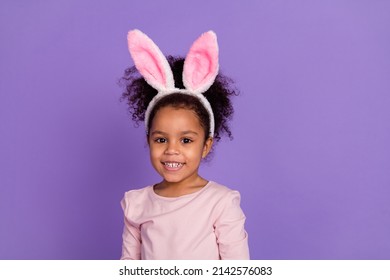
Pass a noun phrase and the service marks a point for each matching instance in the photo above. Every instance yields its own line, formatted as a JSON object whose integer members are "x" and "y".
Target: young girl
{"x": 184, "y": 216}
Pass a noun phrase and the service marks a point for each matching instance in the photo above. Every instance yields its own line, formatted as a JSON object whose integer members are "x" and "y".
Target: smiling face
{"x": 177, "y": 145}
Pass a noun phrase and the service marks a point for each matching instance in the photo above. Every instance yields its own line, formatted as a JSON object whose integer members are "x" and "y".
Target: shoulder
{"x": 226, "y": 203}
{"x": 135, "y": 196}
{"x": 219, "y": 189}
{"x": 138, "y": 192}
{"x": 223, "y": 194}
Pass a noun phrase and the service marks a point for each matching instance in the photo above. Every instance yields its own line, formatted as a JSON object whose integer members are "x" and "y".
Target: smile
{"x": 172, "y": 166}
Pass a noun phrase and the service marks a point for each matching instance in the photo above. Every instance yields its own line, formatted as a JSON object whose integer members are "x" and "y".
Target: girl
{"x": 184, "y": 216}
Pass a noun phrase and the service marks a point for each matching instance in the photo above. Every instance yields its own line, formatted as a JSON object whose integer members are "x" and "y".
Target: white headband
{"x": 199, "y": 72}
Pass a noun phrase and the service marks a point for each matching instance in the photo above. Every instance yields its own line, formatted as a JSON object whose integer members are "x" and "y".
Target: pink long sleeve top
{"x": 207, "y": 224}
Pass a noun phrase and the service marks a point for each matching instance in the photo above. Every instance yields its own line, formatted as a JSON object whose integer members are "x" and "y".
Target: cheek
{"x": 154, "y": 152}
{"x": 196, "y": 153}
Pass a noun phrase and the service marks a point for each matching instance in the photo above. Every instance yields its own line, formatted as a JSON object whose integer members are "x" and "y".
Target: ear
{"x": 207, "y": 147}
{"x": 150, "y": 61}
{"x": 201, "y": 64}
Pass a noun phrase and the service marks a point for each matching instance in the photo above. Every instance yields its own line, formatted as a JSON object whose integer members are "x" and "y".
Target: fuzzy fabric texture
{"x": 201, "y": 63}
{"x": 150, "y": 61}
{"x": 199, "y": 72}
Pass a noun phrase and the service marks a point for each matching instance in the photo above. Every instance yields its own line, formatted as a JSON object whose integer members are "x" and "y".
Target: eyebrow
{"x": 189, "y": 132}
{"x": 182, "y": 133}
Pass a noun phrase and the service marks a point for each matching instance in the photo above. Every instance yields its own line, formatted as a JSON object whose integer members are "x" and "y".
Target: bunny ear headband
{"x": 199, "y": 72}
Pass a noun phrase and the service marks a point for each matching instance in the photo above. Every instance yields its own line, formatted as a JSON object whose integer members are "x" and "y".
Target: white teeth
{"x": 173, "y": 164}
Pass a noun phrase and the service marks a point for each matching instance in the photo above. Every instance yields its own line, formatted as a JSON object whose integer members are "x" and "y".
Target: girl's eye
{"x": 186, "y": 141}
{"x": 160, "y": 140}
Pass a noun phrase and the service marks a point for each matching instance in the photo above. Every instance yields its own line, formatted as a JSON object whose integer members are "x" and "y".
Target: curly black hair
{"x": 138, "y": 94}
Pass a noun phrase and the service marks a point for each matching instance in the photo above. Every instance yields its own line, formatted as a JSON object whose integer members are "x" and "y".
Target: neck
{"x": 175, "y": 189}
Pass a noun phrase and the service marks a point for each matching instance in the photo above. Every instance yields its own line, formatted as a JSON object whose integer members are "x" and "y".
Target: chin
{"x": 169, "y": 179}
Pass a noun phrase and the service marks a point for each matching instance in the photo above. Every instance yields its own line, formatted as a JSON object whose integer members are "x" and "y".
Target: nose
{"x": 172, "y": 149}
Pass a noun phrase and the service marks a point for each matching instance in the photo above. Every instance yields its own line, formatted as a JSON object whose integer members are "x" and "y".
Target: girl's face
{"x": 177, "y": 145}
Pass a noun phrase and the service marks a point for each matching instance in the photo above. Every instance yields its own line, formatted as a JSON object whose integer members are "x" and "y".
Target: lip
{"x": 172, "y": 165}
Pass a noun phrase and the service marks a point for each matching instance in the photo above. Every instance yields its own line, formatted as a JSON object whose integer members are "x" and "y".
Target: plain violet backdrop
{"x": 310, "y": 153}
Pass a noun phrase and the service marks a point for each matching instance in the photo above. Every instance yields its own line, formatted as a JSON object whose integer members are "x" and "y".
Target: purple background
{"x": 310, "y": 156}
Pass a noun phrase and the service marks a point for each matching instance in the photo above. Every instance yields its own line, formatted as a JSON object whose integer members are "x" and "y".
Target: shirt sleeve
{"x": 131, "y": 245}
{"x": 229, "y": 228}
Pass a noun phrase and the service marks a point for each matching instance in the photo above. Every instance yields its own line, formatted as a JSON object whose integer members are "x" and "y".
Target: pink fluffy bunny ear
{"x": 201, "y": 64}
{"x": 150, "y": 61}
